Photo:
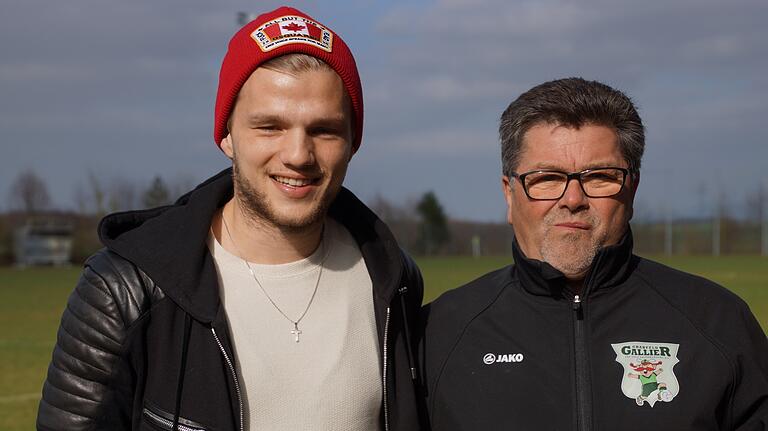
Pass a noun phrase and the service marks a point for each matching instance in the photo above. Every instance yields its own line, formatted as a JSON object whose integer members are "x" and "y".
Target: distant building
{"x": 43, "y": 242}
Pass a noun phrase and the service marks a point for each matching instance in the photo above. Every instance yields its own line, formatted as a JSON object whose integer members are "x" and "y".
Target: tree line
{"x": 28, "y": 194}
{"x": 421, "y": 225}
{"x": 425, "y": 222}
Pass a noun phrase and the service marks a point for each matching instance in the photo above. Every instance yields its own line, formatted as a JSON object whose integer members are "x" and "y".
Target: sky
{"x": 125, "y": 91}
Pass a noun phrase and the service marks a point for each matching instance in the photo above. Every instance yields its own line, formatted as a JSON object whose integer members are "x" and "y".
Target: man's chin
{"x": 572, "y": 256}
{"x": 297, "y": 222}
{"x": 291, "y": 217}
{"x": 571, "y": 236}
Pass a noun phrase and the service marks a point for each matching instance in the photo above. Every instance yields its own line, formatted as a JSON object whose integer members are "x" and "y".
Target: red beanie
{"x": 283, "y": 31}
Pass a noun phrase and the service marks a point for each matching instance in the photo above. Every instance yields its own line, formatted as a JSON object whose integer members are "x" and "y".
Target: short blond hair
{"x": 294, "y": 64}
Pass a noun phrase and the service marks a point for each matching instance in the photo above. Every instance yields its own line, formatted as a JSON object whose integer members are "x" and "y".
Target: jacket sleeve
{"x": 89, "y": 383}
{"x": 749, "y": 404}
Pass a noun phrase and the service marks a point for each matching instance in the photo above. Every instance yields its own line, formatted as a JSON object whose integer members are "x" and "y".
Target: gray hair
{"x": 571, "y": 102}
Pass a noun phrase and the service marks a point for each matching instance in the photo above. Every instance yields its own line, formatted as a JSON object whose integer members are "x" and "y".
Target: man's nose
{"x": 298, "y": 149}
{"x": 574, "y": 197}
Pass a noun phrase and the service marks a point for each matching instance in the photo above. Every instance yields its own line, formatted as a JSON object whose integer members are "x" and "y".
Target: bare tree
{"x": 98, "y": 196}
{"x": 123, "y": 195}
{"x": 385, "y": 209}
{"x": 755, "y": 204}
{"x": 757, "y": 212}
{"x": 29, "y": 193}
{"x": 157, "y": 194}
{"x": 91, "y": 197}
{"x": 181, "y": 184}
{"x": 81, "y": 199}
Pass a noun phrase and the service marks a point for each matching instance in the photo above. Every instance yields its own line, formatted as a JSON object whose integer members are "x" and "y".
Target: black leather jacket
{"x": 144, "y": 342}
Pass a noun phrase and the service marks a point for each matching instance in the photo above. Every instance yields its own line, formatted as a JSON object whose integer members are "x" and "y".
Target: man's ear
{"x": 506, "y": 188}
{"x": 632, "y": 191}
{"x": 227, "y": 146}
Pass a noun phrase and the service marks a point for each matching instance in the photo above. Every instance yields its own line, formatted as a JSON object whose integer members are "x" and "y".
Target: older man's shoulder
{"x": 472, "y": 298}
{"x": 681, "y": 285}
{"x": 706, "y": 304}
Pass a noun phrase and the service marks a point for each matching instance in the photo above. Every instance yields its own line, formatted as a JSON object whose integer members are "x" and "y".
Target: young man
{"x": 267, "y": 298}
{"x": 580, "y": 334}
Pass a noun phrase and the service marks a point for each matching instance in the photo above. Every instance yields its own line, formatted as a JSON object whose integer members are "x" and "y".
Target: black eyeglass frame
{"x": 568, "y": 178}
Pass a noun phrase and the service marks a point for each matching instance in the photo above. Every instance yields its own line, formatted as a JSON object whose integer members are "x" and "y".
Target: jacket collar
{"x": 611, "y": 266}
{"x": 169, "y": 244}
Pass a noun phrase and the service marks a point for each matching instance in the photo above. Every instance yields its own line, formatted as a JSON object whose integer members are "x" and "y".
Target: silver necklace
{"x": 296, "y": 332}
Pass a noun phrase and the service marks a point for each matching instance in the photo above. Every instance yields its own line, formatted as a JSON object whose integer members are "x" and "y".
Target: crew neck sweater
{"x": 330, "y": 379}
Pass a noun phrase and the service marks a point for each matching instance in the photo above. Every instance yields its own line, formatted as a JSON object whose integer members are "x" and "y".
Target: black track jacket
{"x": 645, "y": 347}
{"x": 144, "y": 340}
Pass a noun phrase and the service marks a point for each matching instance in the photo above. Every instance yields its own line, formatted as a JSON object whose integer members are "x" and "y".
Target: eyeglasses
{"x": 551, "y": 184}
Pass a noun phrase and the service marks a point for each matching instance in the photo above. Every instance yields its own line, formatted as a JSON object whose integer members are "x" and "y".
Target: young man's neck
{"x": 258, "y": 242}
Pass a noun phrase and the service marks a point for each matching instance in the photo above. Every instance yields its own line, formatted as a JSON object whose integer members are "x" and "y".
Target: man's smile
{"x": 295, "y": 181}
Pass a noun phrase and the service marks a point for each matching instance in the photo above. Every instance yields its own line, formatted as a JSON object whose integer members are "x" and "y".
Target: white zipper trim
{"x": 384, "y": 378}
{"x": 168, "y": 423}
{"x": 234, "y": 377}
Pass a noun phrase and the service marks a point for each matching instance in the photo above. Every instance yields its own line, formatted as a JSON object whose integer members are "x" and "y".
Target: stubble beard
{"x": 258, "y": 210}
{"x": 571, "y": 253}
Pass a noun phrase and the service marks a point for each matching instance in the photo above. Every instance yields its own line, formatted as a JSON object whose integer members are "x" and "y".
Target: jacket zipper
{"x": 234, "y": 377}
{"x": 384, "y": 372}
{"x": 583, "y": 407}
{"x": 406, "y": 330}
{"x": 167, "y": 424}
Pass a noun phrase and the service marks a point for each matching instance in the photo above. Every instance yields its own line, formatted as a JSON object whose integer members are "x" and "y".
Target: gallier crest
{"x": 648, "y": 371}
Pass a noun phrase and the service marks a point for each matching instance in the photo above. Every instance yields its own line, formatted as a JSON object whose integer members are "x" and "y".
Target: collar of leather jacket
{"x": 610, "y": 267}
{"x": 169, "y": 244}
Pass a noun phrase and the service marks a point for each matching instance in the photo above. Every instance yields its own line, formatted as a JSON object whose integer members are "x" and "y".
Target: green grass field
{"x": 31, "y": 303}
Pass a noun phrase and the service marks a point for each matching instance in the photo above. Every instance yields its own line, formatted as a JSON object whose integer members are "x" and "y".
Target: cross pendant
{"x": 296, "y": 331}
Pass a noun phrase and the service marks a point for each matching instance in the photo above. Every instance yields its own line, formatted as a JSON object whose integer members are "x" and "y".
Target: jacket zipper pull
{"x": 576, "y": 305}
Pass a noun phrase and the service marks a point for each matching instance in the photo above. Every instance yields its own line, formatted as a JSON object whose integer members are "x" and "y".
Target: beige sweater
{"x": 330, "y": 379}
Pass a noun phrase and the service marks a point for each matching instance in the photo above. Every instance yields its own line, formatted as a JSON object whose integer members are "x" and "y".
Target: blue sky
{"x": 125, "y": 90}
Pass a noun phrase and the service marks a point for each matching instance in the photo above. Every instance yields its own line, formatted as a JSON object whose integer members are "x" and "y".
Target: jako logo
{"x": 491, "y": 358}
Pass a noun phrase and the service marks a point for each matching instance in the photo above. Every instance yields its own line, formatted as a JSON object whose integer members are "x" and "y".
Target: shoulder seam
{"x": 701, "y": 332}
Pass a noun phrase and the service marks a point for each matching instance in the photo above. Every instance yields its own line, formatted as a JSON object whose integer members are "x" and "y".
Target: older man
{"x": 580, "y": 334}
{"x": 268, "y": 298}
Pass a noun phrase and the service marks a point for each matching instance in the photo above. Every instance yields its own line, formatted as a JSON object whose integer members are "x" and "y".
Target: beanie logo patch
{"x": 292, "y": 29}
